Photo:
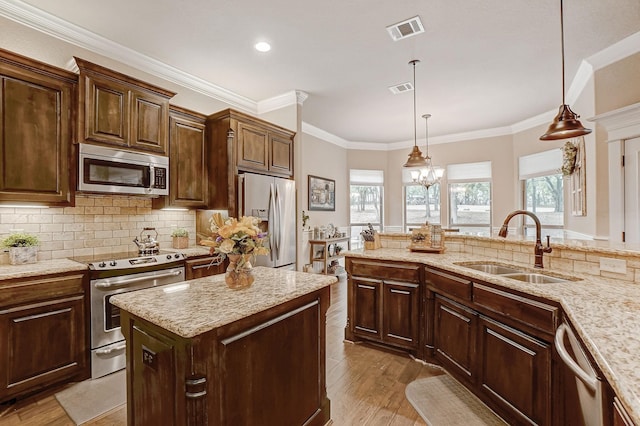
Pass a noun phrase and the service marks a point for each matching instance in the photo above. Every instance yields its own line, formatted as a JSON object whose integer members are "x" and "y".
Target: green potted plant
{"x": 180, "y": 238}
{"x": 23, "y": 248}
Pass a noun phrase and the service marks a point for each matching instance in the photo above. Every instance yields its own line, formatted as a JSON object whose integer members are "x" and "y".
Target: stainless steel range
{"x": 115, "y": 274}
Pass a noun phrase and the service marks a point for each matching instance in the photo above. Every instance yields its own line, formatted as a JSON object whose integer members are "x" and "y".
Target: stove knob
{"x": 113, "y": 263}
{"x": 102, "y": 265}
{"x": 177, "y": 256}
{"x": 168, "y": 257}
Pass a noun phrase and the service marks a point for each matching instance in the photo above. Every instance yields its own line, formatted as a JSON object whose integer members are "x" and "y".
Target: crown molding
{"x": 324, "y": 135}
{"x": 622, "y": 123}
{"x": 617, "y": 51}
{"x": 53, "y": 26}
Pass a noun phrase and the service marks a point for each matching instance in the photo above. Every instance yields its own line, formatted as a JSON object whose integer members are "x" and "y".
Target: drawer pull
{"x": 393, "y": 290}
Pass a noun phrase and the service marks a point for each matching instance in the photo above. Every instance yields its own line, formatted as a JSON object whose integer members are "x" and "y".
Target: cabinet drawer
{"x": 450, "y": 284}
{"x": 16, "y": 292}
{"x": 533, "y": 313}
{"x": 385, "y": 271}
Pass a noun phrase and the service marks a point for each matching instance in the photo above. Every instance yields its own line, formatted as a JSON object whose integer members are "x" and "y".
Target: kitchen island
{"x": 200, "y": 353}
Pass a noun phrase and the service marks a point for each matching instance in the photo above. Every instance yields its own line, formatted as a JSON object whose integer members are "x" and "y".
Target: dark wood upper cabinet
{"x": 36, "y": 131}
{"x": 238, "y": 142}
{"x": 188, "y": 183}
{"x": 118, "y": 110}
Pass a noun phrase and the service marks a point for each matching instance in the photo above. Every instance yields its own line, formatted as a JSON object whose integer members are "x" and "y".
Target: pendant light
{"x": 415, "y": 157}
{"x": 566, "y": 124}
{"x": 430, "y": 175}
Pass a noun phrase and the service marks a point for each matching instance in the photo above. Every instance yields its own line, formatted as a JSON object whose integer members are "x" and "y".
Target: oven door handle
{"x": 111, "y": 350}
{"x": 109, "y": 284}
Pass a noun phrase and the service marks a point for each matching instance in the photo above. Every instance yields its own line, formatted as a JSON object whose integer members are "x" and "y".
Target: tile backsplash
{"x": 97, "y": 224}
{"x": 585, "y": 257}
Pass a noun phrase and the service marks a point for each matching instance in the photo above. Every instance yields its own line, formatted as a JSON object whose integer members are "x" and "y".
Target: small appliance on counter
{"x": 147, "y": 245}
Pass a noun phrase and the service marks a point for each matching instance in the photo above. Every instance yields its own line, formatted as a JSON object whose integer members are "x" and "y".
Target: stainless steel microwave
{"x": 116, "y": 171}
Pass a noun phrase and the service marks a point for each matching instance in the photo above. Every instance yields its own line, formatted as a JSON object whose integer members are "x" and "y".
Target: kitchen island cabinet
{"x": 200, "y": 353}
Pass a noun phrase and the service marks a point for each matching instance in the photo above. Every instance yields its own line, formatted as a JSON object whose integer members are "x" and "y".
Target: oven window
{"x": 111, "y": 314}
{"x": 111, "y": 173}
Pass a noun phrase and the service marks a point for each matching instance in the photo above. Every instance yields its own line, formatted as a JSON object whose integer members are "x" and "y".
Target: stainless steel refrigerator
{"x": 273, "y": 200}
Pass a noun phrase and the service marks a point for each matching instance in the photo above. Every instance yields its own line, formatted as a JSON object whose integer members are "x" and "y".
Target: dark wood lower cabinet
{"x": 455, "y": 338}
{"x": 400, "y": 320}
{"x": 43, "y": 339}
{"x": 515, "y": 373}
{"x": 384, "y": 303}
{"x": 367, "y": 298}
{"x": 265, "y": 369}
{"x": 199, "y": 267}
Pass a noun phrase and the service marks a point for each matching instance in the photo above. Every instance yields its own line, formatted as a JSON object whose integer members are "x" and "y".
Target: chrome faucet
{"x": 539, "y": 248}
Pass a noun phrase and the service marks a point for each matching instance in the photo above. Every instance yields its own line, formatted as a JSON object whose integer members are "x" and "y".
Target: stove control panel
{"x": 135, "y": 262}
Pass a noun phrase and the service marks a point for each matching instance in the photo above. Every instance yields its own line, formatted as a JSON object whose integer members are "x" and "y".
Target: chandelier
{"x": 565, "y": 125}
{"x": 428, "y": 175}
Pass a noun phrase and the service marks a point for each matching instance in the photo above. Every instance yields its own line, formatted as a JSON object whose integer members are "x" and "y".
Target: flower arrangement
{"x": 236, "y": 236}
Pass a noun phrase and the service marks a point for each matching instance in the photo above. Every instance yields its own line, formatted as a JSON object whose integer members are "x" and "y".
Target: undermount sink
{"x": 491, "y": 268}
{"x": 534, "y": 278}
{"x": 513, "y": 272}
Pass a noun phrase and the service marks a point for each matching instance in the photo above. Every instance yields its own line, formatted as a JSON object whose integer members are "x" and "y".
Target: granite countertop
{"x": 605, "y": 312}
{"x": 193, "y": 307}
{"x": 42, "y": 267}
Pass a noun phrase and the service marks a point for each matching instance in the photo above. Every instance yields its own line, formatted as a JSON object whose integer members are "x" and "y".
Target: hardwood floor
{"x": 365, "y": 385}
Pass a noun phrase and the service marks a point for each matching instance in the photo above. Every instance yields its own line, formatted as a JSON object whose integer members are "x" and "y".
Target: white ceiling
{"x": 484, "y": 64}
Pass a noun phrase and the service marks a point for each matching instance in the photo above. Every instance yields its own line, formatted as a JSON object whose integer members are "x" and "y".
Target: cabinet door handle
{"x": 393, "y": 290}
{"x": 368, "y": 287}
{"x": 206, "y": 265}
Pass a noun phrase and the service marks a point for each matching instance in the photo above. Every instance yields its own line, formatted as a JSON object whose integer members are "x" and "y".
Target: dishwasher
{"x": 588, "y": 385}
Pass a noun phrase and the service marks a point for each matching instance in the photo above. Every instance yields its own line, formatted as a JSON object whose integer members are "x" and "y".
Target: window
{"x": 470, "y": 197}
{"x": 542, "y": 191}
{"x": 421, "y": 205}
{"x": 366, "y": 201}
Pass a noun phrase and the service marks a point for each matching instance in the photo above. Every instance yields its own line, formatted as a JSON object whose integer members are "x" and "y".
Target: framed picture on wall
{"x": 322, "y": 193}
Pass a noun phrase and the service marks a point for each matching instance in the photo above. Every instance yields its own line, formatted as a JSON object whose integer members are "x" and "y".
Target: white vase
{"x": 22, "y": 255}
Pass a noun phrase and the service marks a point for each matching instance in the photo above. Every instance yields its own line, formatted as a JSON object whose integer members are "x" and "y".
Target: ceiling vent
{"x": 401, "y": 88}
{"x": 406, "y": 28}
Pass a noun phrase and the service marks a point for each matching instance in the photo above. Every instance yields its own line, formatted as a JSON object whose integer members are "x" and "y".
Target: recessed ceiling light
{"x": 262, "y": 46}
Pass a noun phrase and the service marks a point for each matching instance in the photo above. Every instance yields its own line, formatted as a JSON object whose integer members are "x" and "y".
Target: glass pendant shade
{"x": 565, "y": 125}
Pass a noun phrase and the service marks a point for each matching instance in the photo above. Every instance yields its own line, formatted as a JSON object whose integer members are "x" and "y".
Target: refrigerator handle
{"x": 272, "y": 226}
{"x": 278, "y": 219}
